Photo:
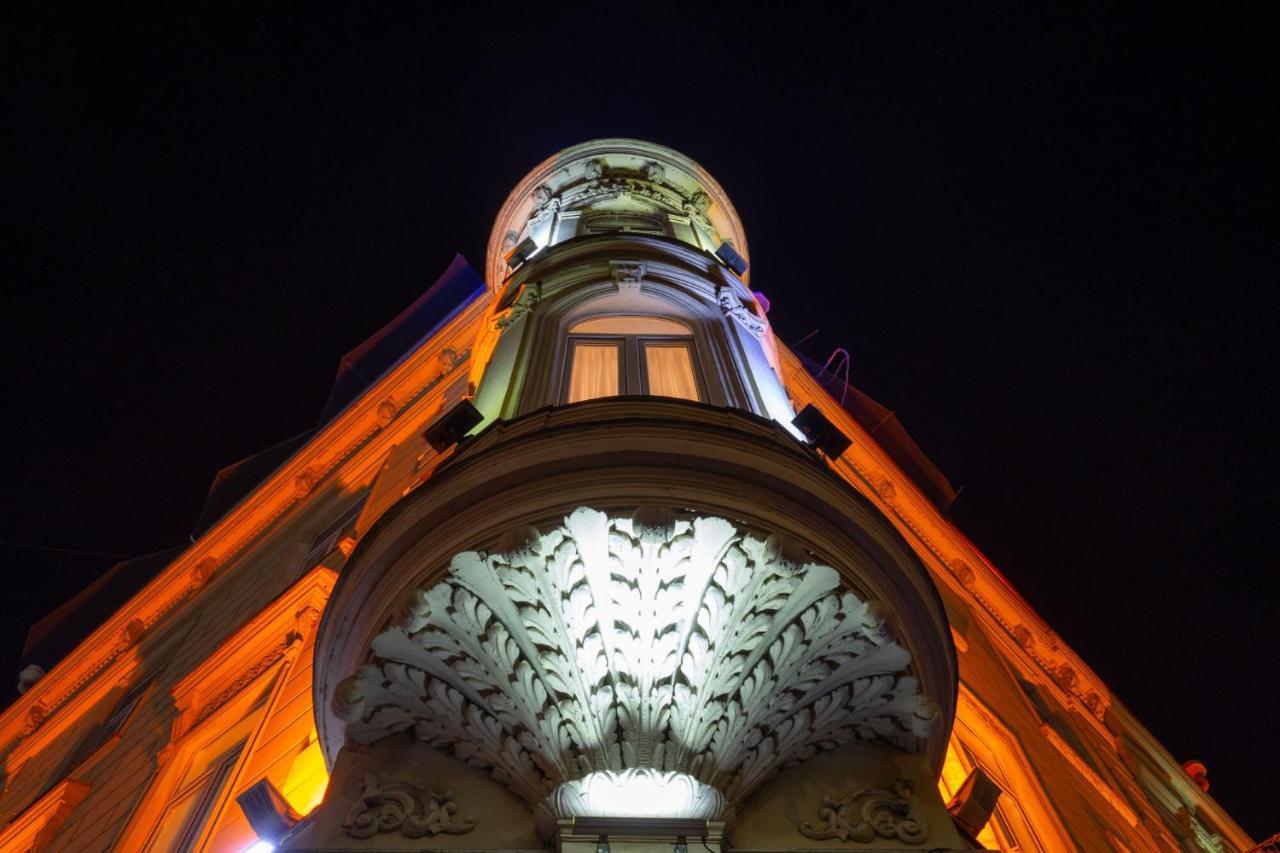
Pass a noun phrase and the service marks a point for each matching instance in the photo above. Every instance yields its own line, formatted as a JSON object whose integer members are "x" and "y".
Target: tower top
{"x": 619, "y": 184}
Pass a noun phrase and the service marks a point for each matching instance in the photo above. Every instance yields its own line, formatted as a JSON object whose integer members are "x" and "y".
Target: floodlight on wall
{"x": 451, "y": 427}
{"x": 730, "y": 258}
{"x": 521, "y": 253}
{"x": 268, "y": 813}
{"x": 974, "y": 802}
{"x": 820, "y": 432}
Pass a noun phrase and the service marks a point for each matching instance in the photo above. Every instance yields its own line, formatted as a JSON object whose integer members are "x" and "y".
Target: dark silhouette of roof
{"x": 55, "y": 635}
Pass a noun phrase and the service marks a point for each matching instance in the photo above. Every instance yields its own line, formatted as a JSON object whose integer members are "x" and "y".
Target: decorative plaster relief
{"x": 611, "y": 643}
{"x": 524, "y": 303}
{"x": 628, "y": 275}
{"x": 414, "y": 811}
{"x": 864, "y": 815}
{"x": 733, "y": 307}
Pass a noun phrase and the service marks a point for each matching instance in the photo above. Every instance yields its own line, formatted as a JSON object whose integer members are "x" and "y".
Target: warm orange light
{"x": 307, "y": 780}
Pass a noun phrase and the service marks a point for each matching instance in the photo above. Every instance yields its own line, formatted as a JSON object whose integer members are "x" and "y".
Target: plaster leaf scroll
{"x": 732, "y": 306}
{"x": 612, "y": 643}
{"x": 545, "y": 204}
{"x": 869, "y": 813}
{"x": 414, "y": 811}
{"x": 524, "y": 303}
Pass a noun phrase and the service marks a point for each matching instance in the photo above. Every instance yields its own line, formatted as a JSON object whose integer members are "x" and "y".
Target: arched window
{"x": 630, "y": 354}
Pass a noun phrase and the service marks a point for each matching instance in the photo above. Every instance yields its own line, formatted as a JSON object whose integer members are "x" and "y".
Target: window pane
{"x": 622, "y": 324}
{"x": 186, "y": 813}
{"x": 669, "y": 368}
{"x": 595, "y": 370}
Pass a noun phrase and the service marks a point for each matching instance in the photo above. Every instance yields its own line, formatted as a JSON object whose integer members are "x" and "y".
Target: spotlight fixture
{"x": 731, "y": 259}
{"x": 820, "y": 432}
{"x": 602, "y": 844}
{"x": 974, "y": 801}
{"x": 682, "y": 845}
{"x": 452, "y": 426}
{"x": 521, "y": 253}
{"x": 268, "y": 813}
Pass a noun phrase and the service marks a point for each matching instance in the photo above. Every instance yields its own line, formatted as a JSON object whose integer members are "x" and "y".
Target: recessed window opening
{"x": 624, "y": 223}
{"x": 631, "y": 354}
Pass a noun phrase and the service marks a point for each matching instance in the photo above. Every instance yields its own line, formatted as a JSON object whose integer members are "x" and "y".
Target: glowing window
{"x": 200, "y": 790}
{"x": 597, "y": 370}
{"x": 631, "y": 354}
{"x": 629, "y": 325}
{"x": 668, "y": 367}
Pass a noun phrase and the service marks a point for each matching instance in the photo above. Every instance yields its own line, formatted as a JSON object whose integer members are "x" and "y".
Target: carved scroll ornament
{"x": 864, "y": 815}
{"x": 732, "y": 306}
{"x": 414, "y": 811}
{"x": 614, "y": 643}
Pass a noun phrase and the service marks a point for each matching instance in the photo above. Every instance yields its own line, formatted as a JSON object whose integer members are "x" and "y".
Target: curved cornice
{"x": 615, "y": 455}
{"x": 679, "y": 175}
{"x": 358, "y": 437}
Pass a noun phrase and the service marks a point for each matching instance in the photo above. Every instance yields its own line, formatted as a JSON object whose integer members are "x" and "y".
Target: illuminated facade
{"x": 666, "y": 590}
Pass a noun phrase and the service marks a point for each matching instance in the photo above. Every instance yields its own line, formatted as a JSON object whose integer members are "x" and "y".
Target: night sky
{"x": 1045, "y": 239}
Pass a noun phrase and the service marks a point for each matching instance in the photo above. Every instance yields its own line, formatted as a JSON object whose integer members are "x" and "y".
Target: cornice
{"x": 1095, "y": 781}
{"x": 573, "y": 166}
{"x": 36, "y": 827}
{"x": 1178, "y": 782}
{"x": 958, "y": 562}
{"x": 631, "y": 451}
{"x": 986, "y": 726}
{"x": 278, "y": 631}
{"x": 367, "y": 428}
{"x": 1010, "y": 619}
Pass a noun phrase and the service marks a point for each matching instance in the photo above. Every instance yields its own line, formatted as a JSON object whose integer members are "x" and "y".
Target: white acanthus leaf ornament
{"x": 610, "y": 644}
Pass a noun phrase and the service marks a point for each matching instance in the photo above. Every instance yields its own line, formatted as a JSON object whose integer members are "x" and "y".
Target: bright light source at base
{"x": 260, "y": 847}
{"x": 639, "y": 792}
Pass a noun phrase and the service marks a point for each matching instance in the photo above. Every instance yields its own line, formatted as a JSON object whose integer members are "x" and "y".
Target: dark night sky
{"x": 1044, "y": 237}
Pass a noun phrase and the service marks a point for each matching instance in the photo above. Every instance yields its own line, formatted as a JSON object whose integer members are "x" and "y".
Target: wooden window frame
{"x": 633, "y": 374}
{"x": 243, "y": 677}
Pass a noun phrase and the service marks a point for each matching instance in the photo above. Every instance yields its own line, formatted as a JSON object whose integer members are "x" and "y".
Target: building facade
{"x": 583, "y": 558}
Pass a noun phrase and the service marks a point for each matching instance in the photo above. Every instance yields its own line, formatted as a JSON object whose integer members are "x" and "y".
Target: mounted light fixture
{"x": 730, "y": 258}
{"x": 268, "y": 813}
{"x": 451, "y": 427}
{"x": 820, "y": 432}
{"x": 521, "y": 253}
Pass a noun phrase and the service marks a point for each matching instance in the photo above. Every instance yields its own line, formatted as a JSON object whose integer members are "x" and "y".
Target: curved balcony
{"x": 629, "y": 585}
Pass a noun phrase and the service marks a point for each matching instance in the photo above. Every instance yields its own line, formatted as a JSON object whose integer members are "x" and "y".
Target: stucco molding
{"x": 600, "y": 171}
{"x": 864, "y": 815}
{"x": 277, "y": 633}
{"x": 956, "y": 560}
{"x": 1095, "y": 781}
{"x": 611, "y": 642}
{"x": 733, "y": 308}
{"x": 354, "y": 437}
{"x": 36, "y": 827}
{"x": 411, "y": 810}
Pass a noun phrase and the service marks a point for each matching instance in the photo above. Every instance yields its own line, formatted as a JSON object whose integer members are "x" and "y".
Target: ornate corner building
{"x": 582, "y": 558}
